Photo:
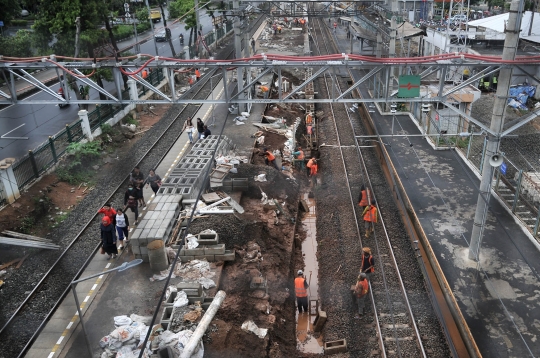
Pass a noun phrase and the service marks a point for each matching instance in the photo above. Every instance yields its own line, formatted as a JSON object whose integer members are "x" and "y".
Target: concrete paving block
{"x": 208, "y": 239}
{"x": 153, "y": 234}
{"x": 320, "y": 319}
{"x": 174, "y": 207}
{"x": 144, "y": 250}
{"x": 209, "y": 258}
{"x": 166, "y": 206}
{"x": 165, "y": 223}
{"x": 134, "y": 242}
{"x": 151, "y": 206}
{"x": 191, "y": 289}
{"x": 159, "y": 206}
{"x": 154, "y": 215}
{"x": 157, "y": 199}
{"x": 145, "y": 258}
{"x": 169, "y": 215}
{"x": 167, "y": 314}
{"x": 218, "y": 249}
{"x": 170, "y": 300}
{"x": 136, "y": 249}
{"x": 199, "y": 251}
{"x": 143, "y": 241}
{"x": 333, "y": 347}
{"x": 151, "y": 239}
{"x": 150, "y": 224}
{"x": 187, "y": 258}
{"x": 136, "y": 233}
{"x": 157, "y": 223}
{"x": 161, "y": 233}
{"x": 141, "y": 225}
{"x": 227, "y": 256}
{"x": 145, "y": 233}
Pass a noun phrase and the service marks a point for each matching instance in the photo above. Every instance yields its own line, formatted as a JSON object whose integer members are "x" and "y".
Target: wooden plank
{"x": 28, "y": 243}
{"x": 9, "y": 263}
{"x": 24, "y": 236}
{"x": 21, "y": 262}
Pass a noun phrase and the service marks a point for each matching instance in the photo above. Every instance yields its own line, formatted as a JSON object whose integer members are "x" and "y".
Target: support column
{"x": 133, "y": 93}
{"x": 8, "y": 180}
{"x": 497, "y": 122}
{"x": 238, "y": 53}
{"x": 85, "y": 124}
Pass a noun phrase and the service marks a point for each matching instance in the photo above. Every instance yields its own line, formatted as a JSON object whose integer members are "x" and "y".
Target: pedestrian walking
{"x": 136, "y": 177}
{"x": 270, "y": 158}
{"x": 122, "y": 227}
{"x": 188, "y": 127}
{"x": 200, "y": 127}
{"x": 368, "y": 263}
{"x": 300, "y": 289}
{"x": 206, "y": 132}
{"x": 130, "y": 201}
{"x": 108, "y": 237}
{"x": 108, "y": 211}
{"x": 365, "y": 197}
{"x": 370, "y": 217}
{"x": 253, "y": 45}
{"x": 348, "y": 33}
{"x": 153, "y": 180}
{"x": 361, "y": 290}
{"x": 335, "y": 26}
{"x": 274, "y": 27}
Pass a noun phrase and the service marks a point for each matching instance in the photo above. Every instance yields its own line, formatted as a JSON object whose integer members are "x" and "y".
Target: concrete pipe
{"x": 203, "y": 325}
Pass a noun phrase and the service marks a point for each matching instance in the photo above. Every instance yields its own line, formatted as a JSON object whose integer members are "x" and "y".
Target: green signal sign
{"x": 409, "y": 86}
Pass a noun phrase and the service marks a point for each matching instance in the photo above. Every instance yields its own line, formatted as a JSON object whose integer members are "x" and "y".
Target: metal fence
{"x": 518, "y": 189}
{"x": 37, "y": 161}
{"x": 154, "y": 78}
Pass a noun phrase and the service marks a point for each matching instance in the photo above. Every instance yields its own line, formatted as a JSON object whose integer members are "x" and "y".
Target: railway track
{"x": 33, "y": 313}
{"x": 402, "y": 322}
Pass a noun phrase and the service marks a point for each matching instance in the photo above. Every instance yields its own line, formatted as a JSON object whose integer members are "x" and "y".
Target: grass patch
{"x": 27, "y": 223}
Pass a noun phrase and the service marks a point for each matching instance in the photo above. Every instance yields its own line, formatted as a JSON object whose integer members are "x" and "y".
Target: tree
{"x": 492, "y": 3}
{"x": 16, "y": 46}
{"x": 10, "y": 10}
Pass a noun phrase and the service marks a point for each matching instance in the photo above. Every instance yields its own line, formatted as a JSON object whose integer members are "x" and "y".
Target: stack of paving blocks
{"x": 188, "y": 177}
{"x": 209, "y": 248}
{"x": 194, "y": 292}
{"x": 156, "y": 224}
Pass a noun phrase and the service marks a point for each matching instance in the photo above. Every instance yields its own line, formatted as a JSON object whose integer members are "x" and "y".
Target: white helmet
{"x": 300, "y": 272}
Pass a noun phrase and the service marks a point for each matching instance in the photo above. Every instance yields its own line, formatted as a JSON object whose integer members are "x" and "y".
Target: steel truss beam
{"x": 20, "y": 70}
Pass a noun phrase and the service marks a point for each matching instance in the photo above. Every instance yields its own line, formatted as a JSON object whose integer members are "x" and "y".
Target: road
{"x": 23, "y": 127}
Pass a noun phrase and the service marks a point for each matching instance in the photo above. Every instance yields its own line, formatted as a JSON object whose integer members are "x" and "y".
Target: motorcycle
{"x": 61, "y": 93}
{"x": 181, "y": 39}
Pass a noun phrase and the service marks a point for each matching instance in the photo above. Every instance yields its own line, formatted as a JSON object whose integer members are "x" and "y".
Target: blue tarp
{"x": 521, "y": 94}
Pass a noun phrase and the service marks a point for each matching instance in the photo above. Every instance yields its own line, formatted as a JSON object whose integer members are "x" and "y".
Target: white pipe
{"x": 215, "y": 204}
{"x": 203, "y": 325}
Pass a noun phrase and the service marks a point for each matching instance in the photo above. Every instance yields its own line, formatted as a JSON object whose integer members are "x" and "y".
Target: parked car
{"x": 161, "y": 36}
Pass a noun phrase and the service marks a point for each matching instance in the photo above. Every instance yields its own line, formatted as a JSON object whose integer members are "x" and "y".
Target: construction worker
{"x": 269, "y": 158}
{"x": 466, "y": 74}
{"x": 144, "y": 74}
{"x": 309, "y": 118}
{"x": 365, "y": 197}
{"x": 197, "y": 74}
{"x": 300, "y": 289}
{"x": 487, "y": 83}
{"x": 299, "y": 154}
{"x": 361, "y": 290}
{"x": 494, "y": 82}
{"x": 370, "y": 217}
{"x": 312, "y": 166}
{"x": 368, "y": 263}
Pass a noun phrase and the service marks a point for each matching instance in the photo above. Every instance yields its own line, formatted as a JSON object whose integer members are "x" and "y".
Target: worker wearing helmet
{"x": 300, "y": 289}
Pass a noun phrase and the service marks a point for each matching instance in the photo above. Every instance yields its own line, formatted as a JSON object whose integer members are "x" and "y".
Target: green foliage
{"x": 27, "y": 223}
{"x": 122, "y": 32}
{"x": 10, "y": 10}
{"x": 42, "y": 204}
{"x": 143, "y": 26}
{"x": 129, "y": 120}
{"x": 142, "y": 15}
{"x": 85, "y": 151}
{"x": 492, "y": 3}
{"x": 18, "y": 45}
{"x": 106, "y": 129}
{"x": 179, "y": 8}
{"x": 19, "y": 22}
{"x": 73, "y": 176}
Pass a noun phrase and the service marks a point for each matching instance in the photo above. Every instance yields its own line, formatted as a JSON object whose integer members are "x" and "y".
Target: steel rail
{"x": 87, "y": 225}
{"x": 386, "y": 235}
{"x": 358, "y": 232}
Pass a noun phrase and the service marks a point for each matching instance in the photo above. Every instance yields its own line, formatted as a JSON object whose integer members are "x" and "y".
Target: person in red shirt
{"x": 108, "y": 211}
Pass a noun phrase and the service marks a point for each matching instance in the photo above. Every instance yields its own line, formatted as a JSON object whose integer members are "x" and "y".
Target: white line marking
{"x": 94, "y": 287}
{"x": 86, "y": 299}
{"x": 4, "y": 135}
{"x": 60, "y": 340}
{"x": 69, "y": 325}
{"x": 50, "y": 355}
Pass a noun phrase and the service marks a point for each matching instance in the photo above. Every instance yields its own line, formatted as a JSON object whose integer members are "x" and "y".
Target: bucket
{"x": 157, "y": 256}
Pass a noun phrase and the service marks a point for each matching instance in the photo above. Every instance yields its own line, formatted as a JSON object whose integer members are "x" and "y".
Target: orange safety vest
{"x": 309, "y": 119}
{"x": 144, "y": 74}
{"x": 197, "y": 73}
{"x": 264, "y": 88}
{"x": 301, "y": 155}
{"x": 361, "y": 288}
{"x": 299, "y": 288}
{"x": 370, "y": 261}
{"x": 314, "y": 167}
{"x": 366, "y": 198}
{"x": 270, "y": 156}
{"x": 370, "y": 214}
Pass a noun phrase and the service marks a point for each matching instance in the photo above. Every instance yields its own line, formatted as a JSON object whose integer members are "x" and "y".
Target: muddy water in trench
{"x": 305, "y": 341}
